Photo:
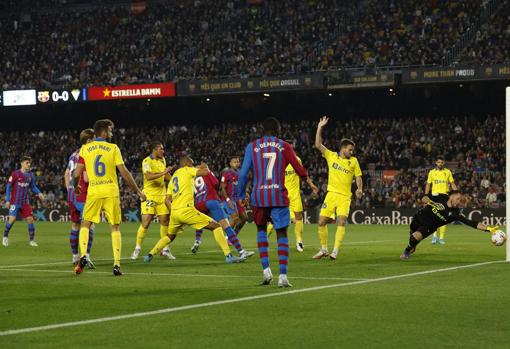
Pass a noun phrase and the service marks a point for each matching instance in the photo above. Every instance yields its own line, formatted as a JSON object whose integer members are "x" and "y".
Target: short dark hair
{"x": 25, "y": 158}
{"x": 102, "y": 125}
{"x": 346, "y": 141}
{"x": 234, "y": 157}
{"x": 440, "y": 157}
{"x": 154, "y": 145}
{"x": 271, "y": 125}
{"x": 85, "y": 135}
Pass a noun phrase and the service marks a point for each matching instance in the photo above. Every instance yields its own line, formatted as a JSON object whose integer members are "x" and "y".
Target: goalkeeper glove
{"x": 492, "y": 230}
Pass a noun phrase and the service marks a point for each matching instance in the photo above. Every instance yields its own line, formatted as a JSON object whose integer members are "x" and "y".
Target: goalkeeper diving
{"x": 439, "y": 210}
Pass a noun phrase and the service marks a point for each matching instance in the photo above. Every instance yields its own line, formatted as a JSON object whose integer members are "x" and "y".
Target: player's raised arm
{"x": 318, "y": 135}
{"x": 244, "y": 172}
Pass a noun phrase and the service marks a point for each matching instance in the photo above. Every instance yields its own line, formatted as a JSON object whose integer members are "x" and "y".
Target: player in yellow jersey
{"x": 293, "y": 185}
{"x": 439, "y": 181}
{"x": 180, "y": 196}
{"x": 102, "y": 159}
{"x": 342, "y": 169}
{"x": 155, "y": 173}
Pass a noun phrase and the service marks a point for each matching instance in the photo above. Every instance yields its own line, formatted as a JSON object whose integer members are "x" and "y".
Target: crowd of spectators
{"x": 172, "y": 40}
{"x": 394, "y": 155}
{"x": 491, "y": 44}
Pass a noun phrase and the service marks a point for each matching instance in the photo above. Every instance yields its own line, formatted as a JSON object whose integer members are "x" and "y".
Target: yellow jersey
{"x": 440, "y": 179}
{"x": 181, "y": 188}
{"x": 292, "y": 181}
{"x": 153, "y": 187}
{"x": 341, "y": 172}
{"x": 101, "y": 160}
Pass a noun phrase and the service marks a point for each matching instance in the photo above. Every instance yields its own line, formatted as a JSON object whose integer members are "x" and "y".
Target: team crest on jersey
{"x": 324, "y": 205}
{"x": 43, "y": 96}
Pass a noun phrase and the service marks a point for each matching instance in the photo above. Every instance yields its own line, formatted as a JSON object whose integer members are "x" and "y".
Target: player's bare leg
{"x": 31, "y": 232}
{"x": 10, "y": 222}
{"x": 140, "y": 234}
{"x": 298, "y": 230}
{"x": 163, "y": 228}
{"x": 243, "y": 218}
{"x": 339, "y": 236}
{"x": 323, "y": 237}
{"x": 414, "y": 240}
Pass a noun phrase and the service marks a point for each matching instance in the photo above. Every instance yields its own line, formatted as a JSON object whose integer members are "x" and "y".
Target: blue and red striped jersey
{"x": 17, "y": 187}
{"x": 230, "y": 178}
{"x": 71, "y": 166}
{"x": 206, "y": 189}
{"x": 267, "y": 158}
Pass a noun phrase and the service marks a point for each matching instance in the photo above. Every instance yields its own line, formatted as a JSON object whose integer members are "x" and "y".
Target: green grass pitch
{"x": 453, "y": 308}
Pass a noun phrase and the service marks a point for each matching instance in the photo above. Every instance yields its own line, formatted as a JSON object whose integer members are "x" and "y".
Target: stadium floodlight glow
{"x": 266, "y": 94}
{"x": 330, "y": 94}
{"x": 507, "y": 167}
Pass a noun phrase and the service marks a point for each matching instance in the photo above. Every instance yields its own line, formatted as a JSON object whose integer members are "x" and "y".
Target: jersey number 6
{"x": 99, "y": 167}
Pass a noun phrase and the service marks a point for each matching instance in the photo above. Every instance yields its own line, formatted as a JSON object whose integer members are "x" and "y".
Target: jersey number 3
{"x": 270, "y": 164}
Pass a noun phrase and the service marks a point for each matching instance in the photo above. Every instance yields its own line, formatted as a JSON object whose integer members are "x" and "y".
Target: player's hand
{"x": 492, "y": 230}
{"x": 323, "y": 121}
{"x": 7, "y": 205}
{"x": 359, "y": 193}
{"x": 230, "y": 204}
{"x": 142, "y": 196}
{"x": 167, "y": 170}
{"x": 77, "y": 190}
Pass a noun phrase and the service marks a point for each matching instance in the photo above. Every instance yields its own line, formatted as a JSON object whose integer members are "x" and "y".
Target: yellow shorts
{"x": 296, "y": 204}
{"x": 154, "y": 206}
{"x": 335, "y": 205}
{"x": 110, "y": 206}
{"x": 187, "y": 216}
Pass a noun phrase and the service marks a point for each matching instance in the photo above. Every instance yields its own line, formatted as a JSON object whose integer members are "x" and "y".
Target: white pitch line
{"x": 234, "y": 300}
{"x": 183, "y": 275}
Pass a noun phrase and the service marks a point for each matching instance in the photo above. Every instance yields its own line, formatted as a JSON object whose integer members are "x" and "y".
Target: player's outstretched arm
{"x": 477, "y": 225}
{"x": 128, "y": 177}
{"x": 318, "y": 135}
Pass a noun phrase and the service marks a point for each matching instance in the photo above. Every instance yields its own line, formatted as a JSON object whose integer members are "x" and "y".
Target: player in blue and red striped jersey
{"x": 77, "y": 202}
{"x": 208, "y": 201}
{"x": 267, "y": 157}
{"x": 17, "y": 199}
{"x": 233, "y": 206}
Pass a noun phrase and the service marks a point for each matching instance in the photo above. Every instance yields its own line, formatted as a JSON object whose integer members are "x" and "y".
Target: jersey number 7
{"x": 270, "y": 164}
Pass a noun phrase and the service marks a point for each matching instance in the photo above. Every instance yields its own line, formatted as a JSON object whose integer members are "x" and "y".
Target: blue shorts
{"x": 216, "y": 210}
{"x": 227, "y": 208}
{"x": 79, "y": 206}
{"x": 280, "y": 216}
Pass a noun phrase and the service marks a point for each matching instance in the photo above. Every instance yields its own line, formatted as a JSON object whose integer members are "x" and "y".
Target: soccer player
{"x": 293, "y": 185}
{"x": 154, "y": 174}
{"x": 267, "y": 157}
{"x": 439, "y": 210}
{"x": 77, "y": 202}
{"x": 233, "y": 206}
{"x": 342, "y": 168}
{"x": 17, "y": 199}
{"x": 181, "y": 199}
{"x": 102, "y": 159}
{"x": 208, "y": 201}
{"x": 440, "y": 180}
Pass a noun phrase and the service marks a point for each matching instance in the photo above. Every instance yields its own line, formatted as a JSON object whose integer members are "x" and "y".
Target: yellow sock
{"x": 220, "y": 240}
{"x": 435, "y": 234}
{"x": 140, "y": 235}
{"x": 117, "y": 247}
{"x": 163, "y": 230}
{"x": 339, "y": 236}
{"x": 84, "y": 240}
{"x": 161, "y": 244}
{"x": 270, "y": 228}
{"x": 442, "y": 231}
{"x": 298, "y": 230}
{"x": 323, "y": 237}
